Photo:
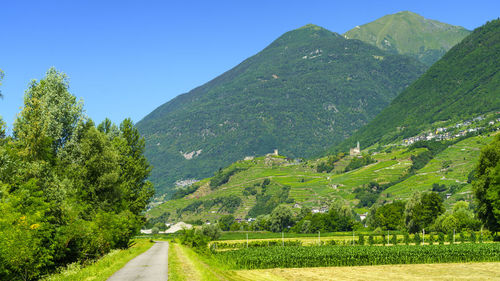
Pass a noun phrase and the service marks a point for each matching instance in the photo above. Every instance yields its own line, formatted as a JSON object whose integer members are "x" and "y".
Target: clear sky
{"x": 125, "y": 58}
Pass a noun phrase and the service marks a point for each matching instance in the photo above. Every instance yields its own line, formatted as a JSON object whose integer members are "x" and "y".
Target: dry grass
{"x": 449, "y": 271}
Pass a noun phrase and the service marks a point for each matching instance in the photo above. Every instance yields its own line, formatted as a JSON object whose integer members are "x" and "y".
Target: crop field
{"x": 320, "y": 256}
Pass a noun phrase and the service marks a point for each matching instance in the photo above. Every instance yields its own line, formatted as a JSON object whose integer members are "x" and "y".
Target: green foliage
{"x": 314, "y": 256}
{"x": 183, "y": 192}
{"x": 281, "y": 218}
{"x": 222, "y": 176}
{"x": 361, "y": 240}
{"x": 212, "y": 231}
{"x": 226, "y": 221}
{"x": 194, "y": 238}
{"x": 308, "y": 88}
{"x": 487, "y": 185}
{"x": 417, "y": 239}
{"x": 421, "y": 211}
{"x": 256, "y": 244}
{"x": 367, "y": 195}
{"x": 464, "y": 83}
{"x": 461, "y": 217}
{"x": 338, "y": 218}
{"x": 69, "y": 192}
{"x": 358, "y": 162}
{"x": 249, "y": 190}
{"x": 267, "y": 201}
{"x": 450, "y": 237}
{"x": 226, "y": 204}
{"x": 328, "y": 165}
{"x": 394, "y": 239}
{"x": 371, "y": 241}
{"x": 388, "y": 216}
{"x": 406, "y": 238}
{"x": 441, "y": 238}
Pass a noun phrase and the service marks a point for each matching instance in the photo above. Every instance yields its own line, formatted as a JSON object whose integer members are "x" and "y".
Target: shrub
{"x": 441, "y": 238}
{"x": 407, "y": 238}
{"x": 370, "y": 240}
{"x": 416, "y": 239}
{"x": 361, "y": 240}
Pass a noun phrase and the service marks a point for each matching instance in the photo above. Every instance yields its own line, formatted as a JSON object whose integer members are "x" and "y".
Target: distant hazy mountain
{"x": 410, "y": 34}
{"x": 464, "y": 83}
{"x": 308, "y": 90}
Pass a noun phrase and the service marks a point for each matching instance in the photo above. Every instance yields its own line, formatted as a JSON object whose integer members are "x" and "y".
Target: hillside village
{"x": 491, "y": 122}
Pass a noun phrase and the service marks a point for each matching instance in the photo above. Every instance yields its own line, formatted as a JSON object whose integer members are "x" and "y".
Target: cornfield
{"x": 316, "y": 256}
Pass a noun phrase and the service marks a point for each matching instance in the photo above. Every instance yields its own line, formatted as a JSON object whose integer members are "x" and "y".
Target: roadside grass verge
{"x": 185, "y": 264}
{"x": 102, "y": 268}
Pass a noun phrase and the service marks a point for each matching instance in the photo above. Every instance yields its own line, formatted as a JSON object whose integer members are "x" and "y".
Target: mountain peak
{"x": 312, "y": 27}
{"x": 410, "y": 13}
{"x": 411, "y": 34}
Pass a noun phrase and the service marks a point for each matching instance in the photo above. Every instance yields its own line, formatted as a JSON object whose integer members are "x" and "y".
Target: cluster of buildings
{"x": 446, "y": 133}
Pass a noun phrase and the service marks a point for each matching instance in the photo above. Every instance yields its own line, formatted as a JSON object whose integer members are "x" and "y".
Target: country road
{"x": 151, "y": 265}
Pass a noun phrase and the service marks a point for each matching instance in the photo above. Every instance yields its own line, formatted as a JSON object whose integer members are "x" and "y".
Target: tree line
{"x": 70, "y": 190}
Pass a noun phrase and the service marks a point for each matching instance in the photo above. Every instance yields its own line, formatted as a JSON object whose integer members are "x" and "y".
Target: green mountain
{"x": 464, "y": 84}
{"x": 410, "y": 34}
{"x": 309, "y": 89}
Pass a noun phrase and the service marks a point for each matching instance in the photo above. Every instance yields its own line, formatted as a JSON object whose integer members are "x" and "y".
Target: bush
{"x": 194, "y": 239}
{"x": 416, "y": 239}
{"x": 394, "y": 239}
{"x": 361, "y": 240}
{"x": 431, "y": 239}
{"x": 407, "y": 238}
{"x": 212, "y": 231}
{"x": 450, "y": 237}
{"x": 441, "y": 238}
{"x": 371, "y": 240}
{"x": 473, "y": 238}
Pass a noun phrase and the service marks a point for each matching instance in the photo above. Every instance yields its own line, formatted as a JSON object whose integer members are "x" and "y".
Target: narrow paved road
{"x": 151, "y": 265}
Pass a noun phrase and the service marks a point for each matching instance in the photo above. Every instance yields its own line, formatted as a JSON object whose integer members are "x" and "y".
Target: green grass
{"x": 103, "y": 268}
{"x": 185, "y": 264}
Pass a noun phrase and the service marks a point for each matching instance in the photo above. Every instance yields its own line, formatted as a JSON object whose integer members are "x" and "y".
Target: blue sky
{"x": 125, "y": 58}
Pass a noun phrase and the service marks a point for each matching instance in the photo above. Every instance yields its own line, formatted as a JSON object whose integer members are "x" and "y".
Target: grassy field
{"x": 103, "y": 268}
{"x": 449, "y": 271}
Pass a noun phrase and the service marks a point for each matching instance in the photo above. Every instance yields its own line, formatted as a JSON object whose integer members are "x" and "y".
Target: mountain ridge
{"x": 411, "y": 34}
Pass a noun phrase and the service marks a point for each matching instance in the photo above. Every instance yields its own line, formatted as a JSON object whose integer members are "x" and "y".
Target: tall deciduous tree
{"x": 487, "y": 185}
{"x": 281, "y": 218}
{"x": 421, "y": 210}
{"x": 49, "y": 116}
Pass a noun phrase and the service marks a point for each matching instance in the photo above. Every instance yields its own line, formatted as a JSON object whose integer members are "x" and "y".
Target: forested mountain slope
{"x": 309, "y": 89}
{"x": 410, "y": 34}
{"x": 465, "y": 83}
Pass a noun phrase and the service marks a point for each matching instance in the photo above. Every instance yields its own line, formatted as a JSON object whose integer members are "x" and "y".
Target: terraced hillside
{"x": 256, "y": 186}
{"x": 450, "y": 167}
